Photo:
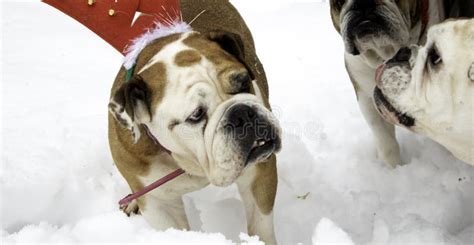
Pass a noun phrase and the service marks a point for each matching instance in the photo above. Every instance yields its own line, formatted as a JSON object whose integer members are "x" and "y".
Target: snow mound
{"x": 112, "y": 227}
{"x": 327, "y": 233}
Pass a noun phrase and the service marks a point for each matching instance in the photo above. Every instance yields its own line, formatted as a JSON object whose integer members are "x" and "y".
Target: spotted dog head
{"x": 375, "y": 29}
{"x": 430, "y": 89}
{"x": 197, "y": 97}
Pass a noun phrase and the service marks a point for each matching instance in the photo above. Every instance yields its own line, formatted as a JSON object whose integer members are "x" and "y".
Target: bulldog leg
{"x": 162, "y": 214}
{"x": 257, "y": 187}
{"x": 387, "y": 145}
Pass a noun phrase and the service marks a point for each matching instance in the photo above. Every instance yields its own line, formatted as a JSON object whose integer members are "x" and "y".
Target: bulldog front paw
{"x": 131, "y": 208}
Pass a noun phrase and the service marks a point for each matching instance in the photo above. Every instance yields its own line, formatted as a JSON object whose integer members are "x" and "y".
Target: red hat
{"x": 115, "y": 21}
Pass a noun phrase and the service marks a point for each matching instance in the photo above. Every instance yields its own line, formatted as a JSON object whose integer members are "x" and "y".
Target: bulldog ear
{"x": 130, "y": 105}
{"x": 230, "y": 42}
{"x": 470, "y": 74}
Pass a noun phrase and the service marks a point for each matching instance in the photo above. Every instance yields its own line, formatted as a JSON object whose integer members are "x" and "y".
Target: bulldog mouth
{"x": 389, "y": 113}
{"x": 362, "y": 26}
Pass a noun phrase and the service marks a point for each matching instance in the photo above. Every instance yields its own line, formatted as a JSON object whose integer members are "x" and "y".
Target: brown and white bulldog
{"x": 430, "y": 89}
{"x": 373, "y": 31}
{"x": 203, "y": 95}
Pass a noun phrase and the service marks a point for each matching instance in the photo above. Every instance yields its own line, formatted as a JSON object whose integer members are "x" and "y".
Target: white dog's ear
{"x": 471, "y": 73}
{"x": 130, "y": 105}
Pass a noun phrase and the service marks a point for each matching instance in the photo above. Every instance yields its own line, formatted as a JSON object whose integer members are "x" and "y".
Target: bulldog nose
{"x": 254, "y": 136}
{"x": 240, "y": 115}
{"x": 403, "y": 55}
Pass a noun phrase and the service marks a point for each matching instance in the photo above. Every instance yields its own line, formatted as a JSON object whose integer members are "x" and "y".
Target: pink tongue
{"x": 378, "y": 74}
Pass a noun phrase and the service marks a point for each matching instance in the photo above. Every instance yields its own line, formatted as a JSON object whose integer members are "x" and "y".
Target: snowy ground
{"x": 59, "y": 184}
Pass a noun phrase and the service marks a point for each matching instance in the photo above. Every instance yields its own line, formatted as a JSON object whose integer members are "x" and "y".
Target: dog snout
{"x": 252, "y": 131}
{"x": 240, "y": 116}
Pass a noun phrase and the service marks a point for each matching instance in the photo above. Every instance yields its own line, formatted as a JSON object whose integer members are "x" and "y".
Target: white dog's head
{"x": 198, "y": 98}
{"x": 376, "y": 29}
{"x": 430, "y": 89}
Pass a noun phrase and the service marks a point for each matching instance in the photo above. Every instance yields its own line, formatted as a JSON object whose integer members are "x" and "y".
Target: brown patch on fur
{"x": 187, "y": 58}
{"x": 264, "y": 186}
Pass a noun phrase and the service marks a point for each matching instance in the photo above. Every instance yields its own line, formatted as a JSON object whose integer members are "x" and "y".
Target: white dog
{"x": 430, "y": 89}
{"x": 373, "y": 31}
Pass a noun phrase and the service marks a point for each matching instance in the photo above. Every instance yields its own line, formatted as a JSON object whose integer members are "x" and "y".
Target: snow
{"x": 59, "y": 184}
{"x": 327, "y": 233}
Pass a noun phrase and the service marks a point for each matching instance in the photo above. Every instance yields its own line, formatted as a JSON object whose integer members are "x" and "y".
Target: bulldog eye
{"x": 434, "y": 58}
{"x": 197, "y": 116}
{"x": 242, "y": 82}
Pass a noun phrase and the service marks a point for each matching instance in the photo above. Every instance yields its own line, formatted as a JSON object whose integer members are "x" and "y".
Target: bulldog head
{"x": 197, "y": 97}
{"x": 375, "y": 29}
{"x": 430, "y": 89}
